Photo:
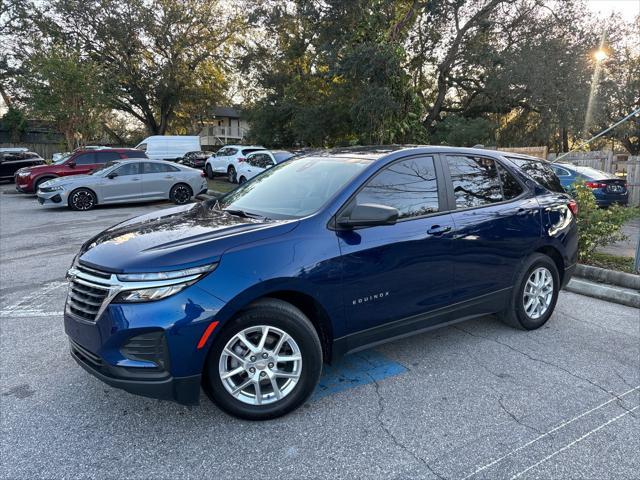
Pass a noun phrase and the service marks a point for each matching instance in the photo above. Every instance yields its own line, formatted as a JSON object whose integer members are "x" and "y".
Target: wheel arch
{"x": 556, "y": 256}
{"x": 45, "y": 177}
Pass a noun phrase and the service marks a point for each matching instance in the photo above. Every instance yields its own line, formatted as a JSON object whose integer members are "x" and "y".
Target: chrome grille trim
{"x": 91, "y": 291}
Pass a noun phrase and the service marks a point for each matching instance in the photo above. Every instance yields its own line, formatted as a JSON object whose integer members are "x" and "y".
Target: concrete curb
{"x": 602, "y": 275}
{"x": 624, "y": 296}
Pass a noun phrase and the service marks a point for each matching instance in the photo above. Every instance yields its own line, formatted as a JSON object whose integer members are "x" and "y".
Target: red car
{"x": 79, "y": 162}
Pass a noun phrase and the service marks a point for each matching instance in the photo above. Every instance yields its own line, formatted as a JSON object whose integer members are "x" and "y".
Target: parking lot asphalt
{"x": 478, "y": 400}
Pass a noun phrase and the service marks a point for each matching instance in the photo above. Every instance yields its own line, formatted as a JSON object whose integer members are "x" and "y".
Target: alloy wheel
{"x": 82, "y": 200}
{"x": 260, "y": 365}
{"x": 181, "y": 194}
{"x": 538, "y": 293}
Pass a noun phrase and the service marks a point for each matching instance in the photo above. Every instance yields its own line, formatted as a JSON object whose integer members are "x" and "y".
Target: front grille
{"x": 88, "y": 290}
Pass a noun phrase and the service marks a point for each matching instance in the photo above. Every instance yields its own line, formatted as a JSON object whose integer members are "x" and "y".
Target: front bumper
{"x": 57, "y": 198}
{"x": 23, "y": 186}
{"x": 184, "y": 390}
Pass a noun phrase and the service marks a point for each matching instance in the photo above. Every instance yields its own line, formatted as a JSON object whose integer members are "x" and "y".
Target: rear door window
{"x": 511, "y": 188}
{"x": 475, "y": 181}
{"x": 104, "y": 157}
{"x": 540, "y": 171}
{"x": 410, "y": 186}
{"x": 159, "y": 168}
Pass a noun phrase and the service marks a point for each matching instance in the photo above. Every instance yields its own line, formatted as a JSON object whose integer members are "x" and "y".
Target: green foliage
{"x": 15, "y": 121}
{"x": 64, "y": 87}
{"x": 464, "y": 132}
{"x": 597, "y": 227}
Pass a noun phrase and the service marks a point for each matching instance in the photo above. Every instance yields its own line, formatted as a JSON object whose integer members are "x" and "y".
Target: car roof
{"x": 377, "y": 152}
{"x": 243, "y": 146}
{"x": 95, "y": 150}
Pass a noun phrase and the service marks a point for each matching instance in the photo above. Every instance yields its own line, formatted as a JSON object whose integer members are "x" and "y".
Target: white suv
{"x": 257, "y": 162}
{"x": 227, "y": 159}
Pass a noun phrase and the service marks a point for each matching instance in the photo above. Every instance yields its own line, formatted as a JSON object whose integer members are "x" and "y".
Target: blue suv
{"x": 246, "y": 296}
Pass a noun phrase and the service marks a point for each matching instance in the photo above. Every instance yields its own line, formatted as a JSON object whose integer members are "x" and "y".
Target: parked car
{"x": 12, "y": 161}
{"x": 124, "y": 181}
{"x": 257, "y": 162}
{"x": 169, "y": 147}
{"x": 607, "y": 188}
{"x": 78, "y": 162}
{"x": 319, "y": 256}
{"x": 227, "y": 160}
{"x": 195, "y": 159}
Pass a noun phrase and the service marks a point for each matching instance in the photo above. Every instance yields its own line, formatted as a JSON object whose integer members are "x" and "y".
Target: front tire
{"x": 180, "y": 194}
{"x": 535, "y": 294}
{"x": 82, "y": 199}
{"x": 265, "y": 363}
{"x": 241, "y": 180}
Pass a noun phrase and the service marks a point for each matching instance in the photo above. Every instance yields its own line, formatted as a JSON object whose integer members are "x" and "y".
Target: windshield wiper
{"x": 242, "y": 213}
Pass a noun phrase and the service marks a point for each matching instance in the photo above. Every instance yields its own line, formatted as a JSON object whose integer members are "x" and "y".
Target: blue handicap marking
{"x": 354, "y": 370}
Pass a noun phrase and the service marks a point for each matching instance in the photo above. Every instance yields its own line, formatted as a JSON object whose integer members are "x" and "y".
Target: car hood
{"x": 72, "y": 180}
{"x": 175, "y": 238}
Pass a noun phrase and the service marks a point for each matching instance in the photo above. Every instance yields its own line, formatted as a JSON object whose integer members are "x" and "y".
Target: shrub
{"x": 597, "y": 226}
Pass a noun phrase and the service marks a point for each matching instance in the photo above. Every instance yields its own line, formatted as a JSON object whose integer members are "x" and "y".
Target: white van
{"x": 169, "y": 147}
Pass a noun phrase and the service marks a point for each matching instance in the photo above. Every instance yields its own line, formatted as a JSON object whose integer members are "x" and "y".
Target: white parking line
{"x": 34, "y": 304}
{"x": 560, "y": 426}
{"x": 569, "y": 445}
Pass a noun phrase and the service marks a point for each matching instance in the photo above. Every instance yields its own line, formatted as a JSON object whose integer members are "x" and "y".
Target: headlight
{"x": 150, "y": 277}
{"x": 23, "y": 174}
{"x": 51, "y": 189}
{"x": 158, "y": 285}
{"x": 150, "y": 294}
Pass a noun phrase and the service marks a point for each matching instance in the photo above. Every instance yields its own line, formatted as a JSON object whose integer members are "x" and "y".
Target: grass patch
{"x": 220, "y": 185}
{"x": 610, "y": 262}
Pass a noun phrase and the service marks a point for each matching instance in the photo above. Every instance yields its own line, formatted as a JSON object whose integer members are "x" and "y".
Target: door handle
{"x": 522, "y": 212}
{"x": 438, "y": 230}
{"x": 168, "y": 177}
{"x": 135, "y": 179}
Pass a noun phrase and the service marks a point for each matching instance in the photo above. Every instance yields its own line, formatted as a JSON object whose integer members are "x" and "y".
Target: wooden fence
{"x": 622, "y": 165}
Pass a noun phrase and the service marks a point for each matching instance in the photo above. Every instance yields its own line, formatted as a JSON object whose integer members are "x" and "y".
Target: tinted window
{"x": 128, "y": 169}
{"x": 539, "y": 171}
{"x": 85, "y": 159}
{"x": 475, "y": 181}
{"x": 309, "y": 183}
{"x": 510, "y": 186}
{"x": 135, "y": 154}
{"x": 104, "y": 157}
{"x": 159, "y": 168}
{"x": 409, "y": 186}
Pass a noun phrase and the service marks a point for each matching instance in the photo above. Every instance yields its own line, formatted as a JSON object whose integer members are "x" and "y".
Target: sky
{"x": 627, "y": 8}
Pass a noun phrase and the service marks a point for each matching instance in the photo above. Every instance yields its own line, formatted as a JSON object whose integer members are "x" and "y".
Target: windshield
{"x": 293, "y": 189}
{"x": 591, "y": 173}
{"x": 62, "y": 159}
{"x": 105, "y": 169}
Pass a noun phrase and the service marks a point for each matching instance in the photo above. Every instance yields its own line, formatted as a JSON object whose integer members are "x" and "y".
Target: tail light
{"x": 596, "y": 185}
{"x": 242, "y": 159}
{"x": 573, "y": 206}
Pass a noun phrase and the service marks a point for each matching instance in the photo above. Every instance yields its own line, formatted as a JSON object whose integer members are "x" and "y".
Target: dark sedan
{"x": 195, "y": 159}
{"x": 607, "y": 188}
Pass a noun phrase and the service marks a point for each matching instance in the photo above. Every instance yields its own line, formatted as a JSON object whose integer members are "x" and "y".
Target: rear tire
{"x": 209, "y": 171}
{"x": 534, "y": 295}
{"x": 82, "y": 199}
{"x": 231, "y": 174}
{"x": 180, "y": 193}
{"x": 295, "y": 378}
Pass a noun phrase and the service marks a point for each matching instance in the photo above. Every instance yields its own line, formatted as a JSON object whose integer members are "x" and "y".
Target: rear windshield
{"x": 246, "y": 151}
{"x": 135, "y": 154}
{"x": 540, "y": 171}
{"x": 591, "y": 173}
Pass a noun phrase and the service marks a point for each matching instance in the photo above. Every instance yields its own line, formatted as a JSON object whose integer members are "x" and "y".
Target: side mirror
{"x": 71, "y": 164}
{"x": 112, "y": 175}
{"x": 368, "y": 215}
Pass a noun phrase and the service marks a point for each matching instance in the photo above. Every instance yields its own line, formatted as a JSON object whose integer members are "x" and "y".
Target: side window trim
{"x": 442, "y": 194}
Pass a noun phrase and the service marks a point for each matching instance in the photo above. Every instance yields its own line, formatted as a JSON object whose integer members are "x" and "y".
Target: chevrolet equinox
{"x": 247, "y": 295}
